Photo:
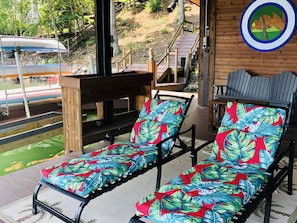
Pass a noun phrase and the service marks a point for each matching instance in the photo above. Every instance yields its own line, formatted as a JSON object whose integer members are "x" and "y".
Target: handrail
{"x": 177, "y": 33}
{"x": 166, "y": 56}
{"x": 180, "y": 29}
{"x": 123, "y": 61}
{"x": 195, "y": 44}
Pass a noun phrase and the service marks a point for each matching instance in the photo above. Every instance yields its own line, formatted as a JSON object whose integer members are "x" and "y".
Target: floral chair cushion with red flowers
{"x": 216, "y": 188}
{"x": 158, "y": 120}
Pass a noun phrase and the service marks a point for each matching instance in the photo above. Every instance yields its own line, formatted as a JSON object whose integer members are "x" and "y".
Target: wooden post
{"x": 175, "y": 65}
{"x": 72, "y": 119}
{"x": 152, "y": 67}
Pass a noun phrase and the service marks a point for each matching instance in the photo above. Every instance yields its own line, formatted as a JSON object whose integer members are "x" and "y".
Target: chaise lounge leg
{"x": 193, "y": 151}
{"x": 135, "y": 219}
{"x": 159, "y": 172}
{"x": 79, "y": 212}
{"x": 55, "y": 212}
{"x": 268, "y": 207}
{"x": 291, "y": 166}
{"x": 34, "y": 205}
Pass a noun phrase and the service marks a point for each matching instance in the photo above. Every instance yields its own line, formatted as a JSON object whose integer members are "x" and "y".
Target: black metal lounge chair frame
{"x": 179, "y": 143}
{"x": 277, "y": 175}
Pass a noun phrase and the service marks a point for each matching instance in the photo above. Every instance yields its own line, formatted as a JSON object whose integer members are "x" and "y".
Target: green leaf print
{"x": 148, "y": 132}
{"x": 239, "y": 147}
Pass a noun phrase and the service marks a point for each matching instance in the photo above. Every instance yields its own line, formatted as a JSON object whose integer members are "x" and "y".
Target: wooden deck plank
{"x": 21, "y": 183}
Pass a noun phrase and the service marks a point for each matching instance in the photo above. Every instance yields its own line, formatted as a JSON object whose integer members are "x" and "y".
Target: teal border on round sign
{"x": 290, "y": 13}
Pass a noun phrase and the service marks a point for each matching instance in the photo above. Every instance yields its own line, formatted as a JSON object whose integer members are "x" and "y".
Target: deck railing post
{"x": 152, "y": 67}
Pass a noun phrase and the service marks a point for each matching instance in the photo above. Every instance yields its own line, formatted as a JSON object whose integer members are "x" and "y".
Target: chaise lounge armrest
{"x": 176, "y": 136}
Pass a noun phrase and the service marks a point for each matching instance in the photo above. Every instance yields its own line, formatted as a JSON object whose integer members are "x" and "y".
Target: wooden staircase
{"x": 184, "y": 45}
{"x": 170, "y": 70}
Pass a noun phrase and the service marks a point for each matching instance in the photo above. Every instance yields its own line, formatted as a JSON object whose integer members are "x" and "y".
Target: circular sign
{"x": 267, "y": 25}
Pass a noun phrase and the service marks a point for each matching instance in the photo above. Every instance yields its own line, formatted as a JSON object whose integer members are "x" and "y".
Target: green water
{"x": 31, "y": 154}
{"x": 35, "y": 153}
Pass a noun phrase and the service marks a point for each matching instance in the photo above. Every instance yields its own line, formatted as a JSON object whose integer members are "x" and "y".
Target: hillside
{"x": 139, "y": 30}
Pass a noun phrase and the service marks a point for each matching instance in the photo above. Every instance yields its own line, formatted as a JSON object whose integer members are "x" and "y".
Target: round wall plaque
{"x": 268, "y": 25}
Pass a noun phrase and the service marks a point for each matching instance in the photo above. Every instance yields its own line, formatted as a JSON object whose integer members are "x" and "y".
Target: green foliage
{"x": 121, "y": 22}
{"x": 153, "y": 5}
{"x": 53, "y": 60}
{"x": 164, "y": 31}
{"x": 91, "y": 42}
{"x": 89, "y": 20}
{"x": 162, "y": 20}
{"x": 148, "y": 39}
{"x": 134, "y": 46}
{"x": 33, "y": 17}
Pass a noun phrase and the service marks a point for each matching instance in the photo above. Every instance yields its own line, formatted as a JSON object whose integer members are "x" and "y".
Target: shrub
{"x": 153, "y": 5}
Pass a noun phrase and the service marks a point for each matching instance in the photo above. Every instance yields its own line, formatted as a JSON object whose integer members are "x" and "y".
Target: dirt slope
{"x": 140, "y": 30}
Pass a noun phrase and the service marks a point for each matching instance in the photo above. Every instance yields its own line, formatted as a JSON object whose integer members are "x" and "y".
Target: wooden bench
{"x": 278, "y": 90}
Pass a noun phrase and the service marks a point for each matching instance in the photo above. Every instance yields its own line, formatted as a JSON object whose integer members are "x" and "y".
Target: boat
{"x": 9, "y": 45}
{"x": 31, "y": 44}
{"x": 11, "y": 71}
{"x": 16, "y": 46}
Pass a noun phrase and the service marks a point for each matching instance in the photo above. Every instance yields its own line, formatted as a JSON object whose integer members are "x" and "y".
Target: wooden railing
{"x": 184, "y": 26}
{"x": 127, "y": 56}
{"x": 167, "y": 60}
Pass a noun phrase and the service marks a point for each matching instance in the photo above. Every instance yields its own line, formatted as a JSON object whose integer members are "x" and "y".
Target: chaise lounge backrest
{"x": 158, "y": 119}
{"x": 249, "y": 134}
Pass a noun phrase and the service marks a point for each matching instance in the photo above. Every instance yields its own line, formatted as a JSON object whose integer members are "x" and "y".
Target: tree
{"x": 115, "y": 43}
{"x": 268, "y": 10}
{"x": 49, "y": 5}
{"x": 7, "y": 17}
{"x": 181, "y": 8}
{"x": 43, "y": 17}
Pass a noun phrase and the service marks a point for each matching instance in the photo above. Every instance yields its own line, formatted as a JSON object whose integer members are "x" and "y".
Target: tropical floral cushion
{"x": 216, "y": 188}
{"x": 256, "y": 119}
{"x": 236, "y": 147}
{"x": 99, "y": 168}
{"x": 208, "y": 192}
{"x": 158, "y": 119}
{"x": 249, "y": 134}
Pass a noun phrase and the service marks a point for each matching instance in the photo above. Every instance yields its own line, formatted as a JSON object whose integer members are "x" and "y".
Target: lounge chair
{"x": 154, "y": 135}
{"x": 240, "y": 172}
